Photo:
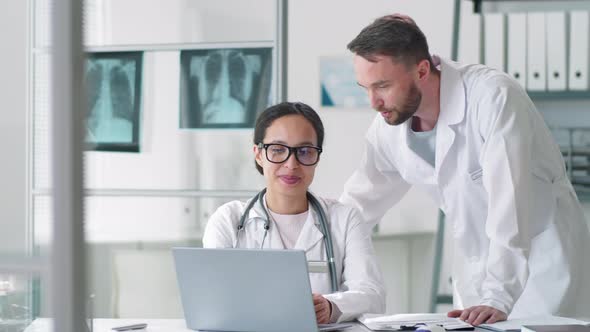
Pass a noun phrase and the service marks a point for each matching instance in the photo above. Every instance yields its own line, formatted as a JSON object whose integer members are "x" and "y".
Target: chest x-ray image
{"x": 113, "y": 89}
{"x": 224, "y": 88}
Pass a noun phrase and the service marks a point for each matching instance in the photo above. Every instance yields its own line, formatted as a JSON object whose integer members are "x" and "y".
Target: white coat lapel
{"x": 452, "y": 110}
{"x": 273, "y": 238}
{"x": 310, "y": 234}
{"x": 420, "y": 170}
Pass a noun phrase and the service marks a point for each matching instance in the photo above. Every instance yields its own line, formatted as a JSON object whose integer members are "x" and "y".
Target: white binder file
{"x": 536, "y": 52}
{"x": 469, "y": 50}
{"x": 494, "y": 40}
{"x": 516, "y": 62}
{"x": 556, "y": 51}
{"x": 578, "y": 68}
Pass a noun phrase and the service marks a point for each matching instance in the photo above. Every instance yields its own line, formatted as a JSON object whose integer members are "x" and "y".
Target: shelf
{"x": 513, "y": 6}
{"x": 558, "y": 95}
{"x": 576, "y": 151}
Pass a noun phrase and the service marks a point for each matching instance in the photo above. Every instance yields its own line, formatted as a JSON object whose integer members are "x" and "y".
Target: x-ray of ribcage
{"x": 110, "y": 97}
{"x": 226, "y": 87}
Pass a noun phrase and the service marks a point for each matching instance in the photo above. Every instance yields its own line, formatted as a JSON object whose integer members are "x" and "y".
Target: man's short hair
{"x": 396, "y": 36}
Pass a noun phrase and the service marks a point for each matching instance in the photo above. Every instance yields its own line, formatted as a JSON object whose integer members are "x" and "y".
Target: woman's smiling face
{"x": 290, "y": 178}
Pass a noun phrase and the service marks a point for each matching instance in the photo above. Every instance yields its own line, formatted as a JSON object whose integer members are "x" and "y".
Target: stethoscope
{"x": 323, "y": 228}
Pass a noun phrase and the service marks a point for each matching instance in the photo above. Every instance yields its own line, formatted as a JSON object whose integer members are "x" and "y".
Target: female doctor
{"x": 287, "y": 145}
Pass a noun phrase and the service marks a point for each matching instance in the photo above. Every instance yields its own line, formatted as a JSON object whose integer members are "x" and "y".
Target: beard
{"x": 409, "y": 107}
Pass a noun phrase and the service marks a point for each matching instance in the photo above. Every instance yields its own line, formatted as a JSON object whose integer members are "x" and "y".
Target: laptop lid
{"x": 245, "y": 290}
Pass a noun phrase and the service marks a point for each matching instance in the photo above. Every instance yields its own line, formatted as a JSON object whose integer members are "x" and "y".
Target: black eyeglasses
{"x": 279, "y": 153}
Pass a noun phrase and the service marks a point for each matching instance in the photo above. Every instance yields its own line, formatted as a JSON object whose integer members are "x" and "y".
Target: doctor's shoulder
{"x": 224, "y": 221}
{"x": 490, "y": 93}
{"x": 228, "y": 214}
{"x": 485, "y": 83}
{"x": 342, "y": 215}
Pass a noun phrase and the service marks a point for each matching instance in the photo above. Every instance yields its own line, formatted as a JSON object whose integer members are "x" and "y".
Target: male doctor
{"x": 470, "y": 136}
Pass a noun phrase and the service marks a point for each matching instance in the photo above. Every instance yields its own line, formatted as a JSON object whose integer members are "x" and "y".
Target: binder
{"x": 556, "y": 51}
{"x": 516, "y": 62}
{"x": 494, "y": 40}
{"x": 536, "y": 52}
{"x": 578, "y": 55}
{"x": 469, "y": 36}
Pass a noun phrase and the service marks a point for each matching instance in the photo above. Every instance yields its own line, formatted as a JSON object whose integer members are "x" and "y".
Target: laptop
{"x": 245, "y": 290}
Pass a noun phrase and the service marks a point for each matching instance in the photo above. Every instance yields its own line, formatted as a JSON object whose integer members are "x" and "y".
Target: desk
{"x": 154, "y": 325}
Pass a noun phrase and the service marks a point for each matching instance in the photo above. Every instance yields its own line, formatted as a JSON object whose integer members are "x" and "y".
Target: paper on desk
{"x": 396, "y": 322}
{"x": 334, "y": 327}
{"x": 516, "y": 324}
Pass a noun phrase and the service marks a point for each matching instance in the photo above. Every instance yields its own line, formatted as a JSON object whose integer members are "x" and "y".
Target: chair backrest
{"x": 145, "y": 285}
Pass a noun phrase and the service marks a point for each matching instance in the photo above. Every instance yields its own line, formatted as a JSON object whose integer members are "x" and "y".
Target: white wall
{"x": 13, "y": 87}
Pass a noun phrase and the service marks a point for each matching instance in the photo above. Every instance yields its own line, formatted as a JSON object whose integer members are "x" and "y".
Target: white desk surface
{"x": 153, "y": 325}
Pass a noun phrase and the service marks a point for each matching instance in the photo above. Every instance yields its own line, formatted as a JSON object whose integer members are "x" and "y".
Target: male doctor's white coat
{"x": 521, "y": 243}
{"x": 360, "y": 281}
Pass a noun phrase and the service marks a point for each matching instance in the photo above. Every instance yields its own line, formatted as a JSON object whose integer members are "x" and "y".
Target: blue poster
{"x": 338, "y": 84}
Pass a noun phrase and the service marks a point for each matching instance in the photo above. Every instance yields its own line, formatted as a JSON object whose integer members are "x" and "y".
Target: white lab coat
{"x": 521, "y": 243}
{"x": 358, "y": 274}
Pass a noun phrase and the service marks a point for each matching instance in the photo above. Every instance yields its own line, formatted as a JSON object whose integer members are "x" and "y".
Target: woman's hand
{"x": 479, "y": 314}
{"x": 323, "y": 309}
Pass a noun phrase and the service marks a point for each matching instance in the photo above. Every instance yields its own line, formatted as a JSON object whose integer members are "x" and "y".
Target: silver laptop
{"x": 245, "y": 290}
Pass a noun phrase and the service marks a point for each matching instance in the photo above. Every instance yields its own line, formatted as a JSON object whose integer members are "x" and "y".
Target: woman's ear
{"x": 257, "y": 155}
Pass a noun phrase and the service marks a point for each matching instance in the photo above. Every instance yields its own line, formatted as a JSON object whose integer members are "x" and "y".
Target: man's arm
{"x": 376, "y": 185}
{"x": 506, "y": 120}
{"x": 362, "y": 289}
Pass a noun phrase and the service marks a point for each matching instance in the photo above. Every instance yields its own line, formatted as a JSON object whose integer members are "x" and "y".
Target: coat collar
{"x": 452, "y": 109}
{"x": 422, "y": 170}
{"x": 310, "y": 234}
{"x": 452, "y": 93}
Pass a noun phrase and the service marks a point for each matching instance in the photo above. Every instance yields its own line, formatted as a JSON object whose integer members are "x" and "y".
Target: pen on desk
{"x": 140, "y": 326}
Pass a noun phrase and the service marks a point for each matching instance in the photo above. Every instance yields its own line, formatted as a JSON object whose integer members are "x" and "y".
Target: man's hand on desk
{"x": 323, "y": 309}
{"x": 479, "y": 314}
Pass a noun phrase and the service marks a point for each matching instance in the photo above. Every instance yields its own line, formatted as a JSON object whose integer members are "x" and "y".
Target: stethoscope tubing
{"x": 323, "y": 228}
